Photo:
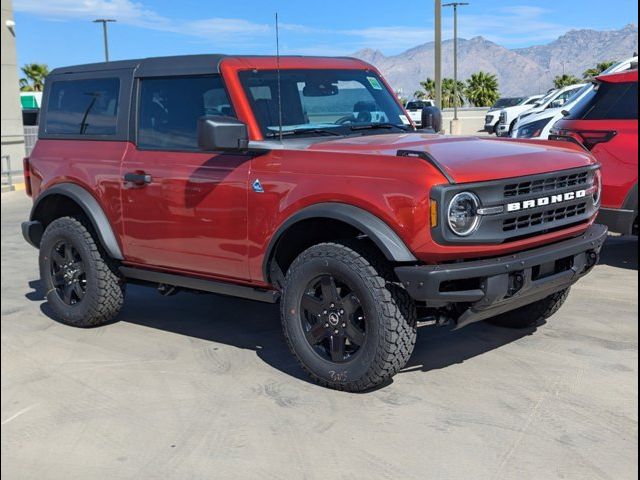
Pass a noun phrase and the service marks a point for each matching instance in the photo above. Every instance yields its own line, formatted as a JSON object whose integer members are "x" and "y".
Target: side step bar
{"x": 194, "y": 283}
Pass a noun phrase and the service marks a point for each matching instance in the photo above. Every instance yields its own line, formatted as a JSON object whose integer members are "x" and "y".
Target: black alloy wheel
{"x": 68, "y": 273}
{"x": 333, "y": 319}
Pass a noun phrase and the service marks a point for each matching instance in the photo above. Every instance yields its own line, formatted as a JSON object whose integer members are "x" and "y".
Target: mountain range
{"x": 522, "y": 71}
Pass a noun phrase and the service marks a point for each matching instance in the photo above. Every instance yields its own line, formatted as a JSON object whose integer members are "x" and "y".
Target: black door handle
{"x": 137, "y": 178}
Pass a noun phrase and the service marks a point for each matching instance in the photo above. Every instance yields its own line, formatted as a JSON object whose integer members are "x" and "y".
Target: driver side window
{"x": 169, "y": 109}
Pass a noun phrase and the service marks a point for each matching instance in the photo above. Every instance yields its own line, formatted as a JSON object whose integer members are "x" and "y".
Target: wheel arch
{"x": 354, "y": 219}
{"x": 60, "y": 200}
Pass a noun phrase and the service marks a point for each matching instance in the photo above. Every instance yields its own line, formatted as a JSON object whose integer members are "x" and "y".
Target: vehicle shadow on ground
{"x": 256, "y": 326}
{"x": 621, "y": 252}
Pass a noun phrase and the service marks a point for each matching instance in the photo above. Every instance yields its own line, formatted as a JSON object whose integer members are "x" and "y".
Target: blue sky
{"x": 60, "y": 32}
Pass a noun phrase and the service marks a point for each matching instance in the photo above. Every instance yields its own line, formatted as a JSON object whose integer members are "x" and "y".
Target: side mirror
{"x": 556, "y": 103}
{"x": 222, "y": 133}
{"x": 431, "y": 119}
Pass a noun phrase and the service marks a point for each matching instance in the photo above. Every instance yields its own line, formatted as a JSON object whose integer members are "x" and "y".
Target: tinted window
{"x": 170, "y": 108}
{"x": 83, "y": 107}
{"x": 608, "y": 101}
{"x": 507, "y": 102}
{"x": 416, "y": 105}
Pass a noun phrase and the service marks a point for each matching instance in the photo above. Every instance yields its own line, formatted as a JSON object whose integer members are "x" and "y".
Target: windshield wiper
{"x": 374, "y": 126}
{"x": 298, "y": 131}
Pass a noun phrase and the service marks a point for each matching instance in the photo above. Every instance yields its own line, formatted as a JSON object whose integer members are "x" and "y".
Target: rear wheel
{"x": 81, "y": 287}
{"x": 530, "y": 315}
{"x": 350, "y": 328}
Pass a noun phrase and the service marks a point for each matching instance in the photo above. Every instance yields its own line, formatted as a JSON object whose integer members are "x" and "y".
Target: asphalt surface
{"x": 203, "y": 387}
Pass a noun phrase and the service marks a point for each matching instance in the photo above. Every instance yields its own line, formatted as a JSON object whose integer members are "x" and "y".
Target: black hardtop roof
{"x": 206, "y": 63}
{"x": 158, "y": 66}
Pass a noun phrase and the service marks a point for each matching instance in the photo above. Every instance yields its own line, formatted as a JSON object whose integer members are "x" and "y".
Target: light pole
{"x": 104, "y": 22}
{"x": 438, "y": 52}
{"x": 455, "y": 6}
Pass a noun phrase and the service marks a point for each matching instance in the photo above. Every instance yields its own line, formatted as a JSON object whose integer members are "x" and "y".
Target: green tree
{"x": 598, "y": 69}
{"x": 428, "y": 89}
{"x": 34, "y": 75}
{"x": 449, "y": 97}
{"x": 482, "y": 89}
{"x": 565, "y": 80}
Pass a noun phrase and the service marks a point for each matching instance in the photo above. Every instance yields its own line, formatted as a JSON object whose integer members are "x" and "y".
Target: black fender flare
{"x": 631, "y": 202}
{"x": 91, "y": 209}
{"x": 388, "y": 241}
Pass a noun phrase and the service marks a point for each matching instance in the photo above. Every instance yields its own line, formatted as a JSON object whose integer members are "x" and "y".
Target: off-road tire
{"x": 104, "y": 293}
{"x": 389, "y": 311}
{"x": 530, "y": 315}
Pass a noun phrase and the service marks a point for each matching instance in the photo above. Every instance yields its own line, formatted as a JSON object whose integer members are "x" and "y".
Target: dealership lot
{"x": 199, "y": 386}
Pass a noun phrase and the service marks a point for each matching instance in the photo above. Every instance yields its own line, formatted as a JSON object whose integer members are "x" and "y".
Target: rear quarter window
{"x": 83, "y": 107}
{"x": 608, "y": 101}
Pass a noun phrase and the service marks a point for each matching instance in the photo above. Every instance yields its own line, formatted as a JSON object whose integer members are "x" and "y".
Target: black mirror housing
{"x": 217, "y": 132}
{"x": 431, "y": 119}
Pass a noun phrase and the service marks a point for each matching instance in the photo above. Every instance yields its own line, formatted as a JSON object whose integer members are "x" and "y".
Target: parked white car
{"x": 493, "y": 115}
{"x": 554, "y": 99}
{"x": 414, "y": 109}
{"x": 539, "y": 125}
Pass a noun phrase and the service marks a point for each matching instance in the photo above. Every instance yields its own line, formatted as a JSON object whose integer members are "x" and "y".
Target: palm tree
{"x": 565, "y": 80}
{"x": 35, "y": 73}
{"x": 598, "y": 69}
{"x": 428, "y": 89}
{"x": 448, "y": 96}
{"x": 482, "y": 89}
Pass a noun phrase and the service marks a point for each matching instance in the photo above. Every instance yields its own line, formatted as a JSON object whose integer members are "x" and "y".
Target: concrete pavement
{"x": 203, "y": 387}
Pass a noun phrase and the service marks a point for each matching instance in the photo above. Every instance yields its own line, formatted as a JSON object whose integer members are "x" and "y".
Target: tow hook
{"x": 592, "y": 258}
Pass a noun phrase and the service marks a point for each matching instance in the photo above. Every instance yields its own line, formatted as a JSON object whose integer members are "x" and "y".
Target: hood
{"x": 543, "y": 115}
{"x": 517, "y": 109}
{"x": 468, "y": 159}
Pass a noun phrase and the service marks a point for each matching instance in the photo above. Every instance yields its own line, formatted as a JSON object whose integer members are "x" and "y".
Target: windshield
{"x": 546, "y": 98}
{"x": 507, "y": 102}
{"x": 315, "y": 102}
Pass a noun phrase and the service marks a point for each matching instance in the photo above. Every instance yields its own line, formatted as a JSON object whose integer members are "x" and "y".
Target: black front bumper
{"x": 493, "y": 286}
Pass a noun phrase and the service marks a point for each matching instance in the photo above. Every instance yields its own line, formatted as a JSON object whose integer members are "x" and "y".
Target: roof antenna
{"x": 278, "y": 79}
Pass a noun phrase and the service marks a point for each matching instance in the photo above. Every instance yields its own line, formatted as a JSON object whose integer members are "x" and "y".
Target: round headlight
{"x": 597, "y": 187}
{"x": 463, "y": 215}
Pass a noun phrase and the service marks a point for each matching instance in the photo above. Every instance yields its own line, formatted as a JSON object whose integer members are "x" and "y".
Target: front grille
{"x": 545, "y": 185}
{"x": 524, "y": 207}
{"x": 547, "y": 216}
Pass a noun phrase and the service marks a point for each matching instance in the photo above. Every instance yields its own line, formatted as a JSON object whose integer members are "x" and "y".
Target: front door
{"x": 184, "y": 209}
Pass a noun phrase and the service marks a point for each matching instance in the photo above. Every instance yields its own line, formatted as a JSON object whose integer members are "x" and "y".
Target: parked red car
{"x": 606, "y": 123}
{"x": 300, "y": 180}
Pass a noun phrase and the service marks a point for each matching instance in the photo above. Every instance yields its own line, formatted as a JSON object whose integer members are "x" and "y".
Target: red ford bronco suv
{"x": 300, "y": 180}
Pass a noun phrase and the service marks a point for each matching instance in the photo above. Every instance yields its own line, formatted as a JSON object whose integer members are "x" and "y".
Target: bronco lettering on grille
{"x": 543, "y": 201}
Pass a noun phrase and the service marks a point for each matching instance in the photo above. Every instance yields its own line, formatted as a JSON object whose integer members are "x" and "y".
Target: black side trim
{"x": 378, "y": 231}
{"x": 429, "y": 159}
{"x": 194, "y": 283}
{"x": 92, "y": 210}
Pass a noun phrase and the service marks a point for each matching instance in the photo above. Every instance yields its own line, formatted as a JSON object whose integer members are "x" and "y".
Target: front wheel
{"x": 530, "y": 315}
{"x": 350, "y": 328}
